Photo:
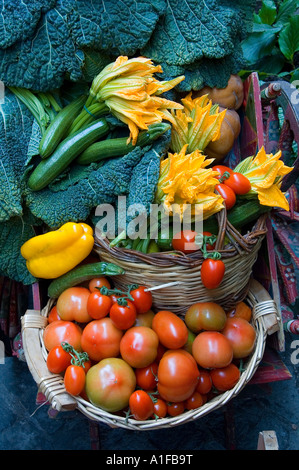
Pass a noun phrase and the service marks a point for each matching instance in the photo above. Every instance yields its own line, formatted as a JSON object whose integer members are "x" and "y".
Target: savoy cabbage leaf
{"x": 17, "y": 131}
{"x": 19, "y": 19}
{"x": 43, "y": 60}
{"x": 120, "y": 27}
{"x": 13, "y": 233}
{"x": 192, "y": 29}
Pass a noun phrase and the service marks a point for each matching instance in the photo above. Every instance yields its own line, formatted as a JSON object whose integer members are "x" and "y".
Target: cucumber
{"x": 82, "y": 273}
{"x": 69, "y": 149}
{"x": 59, "y": 127}
{"x": 118, "y": 147}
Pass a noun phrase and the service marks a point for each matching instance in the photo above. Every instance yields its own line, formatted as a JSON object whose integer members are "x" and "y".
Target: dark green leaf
{"x": 289, "y": 38}
{"x": 285, "y": 10}
{"x": 268, "y": 12}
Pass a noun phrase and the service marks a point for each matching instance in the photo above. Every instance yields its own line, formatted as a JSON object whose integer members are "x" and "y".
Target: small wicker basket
{"x": 175, "y": 268}
{"x": 265, "y": 321}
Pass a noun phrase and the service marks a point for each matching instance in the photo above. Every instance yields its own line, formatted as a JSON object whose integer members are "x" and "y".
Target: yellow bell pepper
{"x": 52, "y": 254}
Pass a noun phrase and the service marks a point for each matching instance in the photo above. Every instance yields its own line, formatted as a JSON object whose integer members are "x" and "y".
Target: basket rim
{"x": 97, "y": 414}
{"x": 238, "y": 245}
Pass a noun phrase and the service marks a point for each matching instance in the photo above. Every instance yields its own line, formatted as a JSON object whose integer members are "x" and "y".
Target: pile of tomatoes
{"x": 113, "y": 350}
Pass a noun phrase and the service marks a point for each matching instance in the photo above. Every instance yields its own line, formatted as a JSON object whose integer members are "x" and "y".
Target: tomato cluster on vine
{"x": 116, "y": 352}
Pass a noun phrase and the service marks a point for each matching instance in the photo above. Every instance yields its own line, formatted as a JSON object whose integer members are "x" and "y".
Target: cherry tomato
{"x": 212, "y": 272}
{"x": 98, "y": 305}
{"x": 139, "y": 346}
{"x": 72, "y": 304}
{"x": 185, "y": 241}
{"x": 58, "y": 360}
{"x": 225, "y": 378}
{"x": 123, "y": 316}
{"x": 177, "y": 375}
{"x": 141, "y": 405}
{"x": 98, "y": 282}
{"x": 171, "y": 329}
{"x": 241, "y": 310}
{"x": 101, "y": 339}
{"x": 205, "y": 316}
{"x": 241, "y": 336}
{"x": 195, "y": 401}
{"x": 205, "y": 383}
{"x": 146, "y": 376}
{"x": 60, "y": 331}
{"x": 228, "y": 195}
{"x": 53, "y": 315}
{"x": 74, "y": 379}
{"x": 144, "y": 319}
{"x": 143, "y": 299}
{"x": 221, "y": 170}
{"x": 238, "y": 183}
{"x": 212, "y": 349}
{"x": 176, "y": 409}
{"x": 110, "y": 383}
{"x": 160, "y": 408}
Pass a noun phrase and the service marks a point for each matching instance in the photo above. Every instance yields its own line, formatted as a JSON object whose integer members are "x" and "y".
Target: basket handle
{"x": 266, "y": 308}
{"x": 51, "y": 385}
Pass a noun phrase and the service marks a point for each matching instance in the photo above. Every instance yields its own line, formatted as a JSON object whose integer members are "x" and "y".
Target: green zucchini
{"x": 69, "y": 149}
{"x": 118, "y": 147}
{"x": 59, "y": 127}
{"x": 81, "y": 274}
{"x": 239, "y": 216}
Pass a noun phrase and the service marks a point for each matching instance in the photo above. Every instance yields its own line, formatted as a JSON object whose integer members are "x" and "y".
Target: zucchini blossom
{"x": 128, "y": 89}
{"x": 184, "y": 179}
{"x": 265, "y": 173}
{"x": 197, "y": 124}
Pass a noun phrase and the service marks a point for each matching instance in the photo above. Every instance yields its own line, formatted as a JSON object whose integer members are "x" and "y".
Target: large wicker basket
{"x": 265, "y": 321}
{"x": 180, "y": 273}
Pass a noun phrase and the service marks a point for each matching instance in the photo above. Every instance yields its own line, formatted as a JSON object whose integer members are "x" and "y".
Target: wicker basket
{"x": 180, "y": 269}
{"x": 265, "y": 321}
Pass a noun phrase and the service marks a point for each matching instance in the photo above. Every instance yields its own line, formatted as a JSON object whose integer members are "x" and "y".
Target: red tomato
{"x": 212, "y": 349}
{"x": 241, "y": 310}
{"x": 238, "y": 183}
{"x": 53, "y": 315}
{"x": 74, "y": 379}
{"x": 72, "y": 304}
{"x": 205, "y": 383}
{"x": 146, "y": 377}
{"x": 160, "y": 408}
{"x": 176, "y": 409}
{"x": 221, "y": 170}
{"x": 212, "y": 272}
{"x": 185, "y": 241}
{"x": 58, "y": 360}
{"x": 139, "y": 346}
{"x": 98, "y": 305}
{"x": 205, "y": 316}
{"x": 171, "y": 329}
{"x": 195, "y": 401}
{"x": 241, "y": 336}
{"x": 225, "y": 378}
{"x": 143, "y": 299}
{"x": 60, "y": 331}
{"x": 110, "y": 383}
{"x": 144, "y": 319}
{"x": 228, "y": 195}
{"x": 177, "y": 375}
{"x": 98, "y": 282}
{"x": 141, "y": 405}
{"x": 101, "y": 339}
{"x": 123, "y": 316}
